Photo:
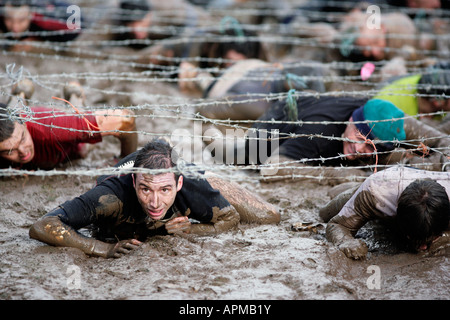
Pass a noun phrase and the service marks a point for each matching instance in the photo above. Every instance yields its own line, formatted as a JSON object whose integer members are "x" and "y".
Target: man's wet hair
{"x": 157, "y": 154}
{"x": 423, "y": 212}
{"x": 6, "y": 124}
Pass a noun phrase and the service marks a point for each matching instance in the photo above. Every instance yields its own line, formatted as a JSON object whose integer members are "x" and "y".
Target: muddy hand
{"x": 354, "y": 249}
{"x": 122, "y": 248}
{"x": 187, "y": 71}
{"x": 179, "y": 224}
{"x": 439, "y": 247}
{"x": 24, "y": 88}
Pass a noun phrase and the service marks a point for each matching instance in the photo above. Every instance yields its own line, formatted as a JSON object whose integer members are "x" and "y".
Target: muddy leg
{"x": 251, "y": 208}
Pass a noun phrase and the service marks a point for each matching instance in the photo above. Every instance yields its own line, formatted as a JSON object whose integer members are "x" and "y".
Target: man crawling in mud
{"x": 126, "y": 209}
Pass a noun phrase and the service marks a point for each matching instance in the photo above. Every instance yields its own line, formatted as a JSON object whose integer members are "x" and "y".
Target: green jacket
{"x": 402, "y": 93}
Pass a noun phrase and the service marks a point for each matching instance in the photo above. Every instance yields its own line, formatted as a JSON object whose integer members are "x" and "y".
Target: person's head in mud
{"x": 360, "y": 43}
{"x": 136, "y": 15}
{"x": 156, "y": 192}
{"x": 422, "y": 4}
{"x": 423, "y": 213}
{"x": 233, "y": 45}
{"x": 16, "y": 16}
{"x": 16, "y": 143}
{"x": 434, "y": 89}
{"x": 368, "y": 124}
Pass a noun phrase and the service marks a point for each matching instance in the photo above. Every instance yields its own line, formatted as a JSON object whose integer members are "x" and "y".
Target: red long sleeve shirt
{"x": 56, "y": 136}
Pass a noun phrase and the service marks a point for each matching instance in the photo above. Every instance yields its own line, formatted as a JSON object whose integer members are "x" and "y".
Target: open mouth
{"x": 26, "y": 157}
{"x": 155, "y": 214}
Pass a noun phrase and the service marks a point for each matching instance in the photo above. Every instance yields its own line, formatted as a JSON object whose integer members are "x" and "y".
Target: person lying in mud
{"x": 155, "y": 20}
{"x": 360, "y": 39}
{"x": 414, "y": 203}
{"x": 218, "y": 51}
{"x": 158, "y": 30}
{"x": 126, "y": 209}
{"x": 422, "y": 94}
{"x": 355, "y": 132}
{"x": 27, "y": 20}
{"x": 51, "y": 138}
{"x": 250, "y": 81}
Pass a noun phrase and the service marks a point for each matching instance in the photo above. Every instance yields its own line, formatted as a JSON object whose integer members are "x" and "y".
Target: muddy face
{"x": 156, "y": 193}
{"x": 17, "y": 19}
{"x": 19, "y": 148}
{"x": 354, "y": 150}
{"x": 373, "y": 41}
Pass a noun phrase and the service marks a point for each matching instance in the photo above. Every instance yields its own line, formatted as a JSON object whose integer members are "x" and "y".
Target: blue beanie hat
{"x": 374, "y": 112}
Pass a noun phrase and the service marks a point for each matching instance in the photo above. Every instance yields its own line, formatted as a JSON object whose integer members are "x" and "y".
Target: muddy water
{"x": 252, "y": 262}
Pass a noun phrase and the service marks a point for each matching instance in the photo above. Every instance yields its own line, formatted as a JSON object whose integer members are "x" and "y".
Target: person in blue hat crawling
{"x": 328, "y": 139}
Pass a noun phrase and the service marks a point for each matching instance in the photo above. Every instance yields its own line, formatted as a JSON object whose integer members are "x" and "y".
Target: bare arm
{"x": 53, "y": 231}
{"x": 190, "y": 79}
{"x": 122, "y": 125}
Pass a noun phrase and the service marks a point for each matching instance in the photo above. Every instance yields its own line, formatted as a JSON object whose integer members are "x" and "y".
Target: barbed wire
{"x": 187, "y": 108}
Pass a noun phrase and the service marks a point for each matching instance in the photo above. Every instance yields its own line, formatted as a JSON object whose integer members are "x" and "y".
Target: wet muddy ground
{"x": 253, "y": 262}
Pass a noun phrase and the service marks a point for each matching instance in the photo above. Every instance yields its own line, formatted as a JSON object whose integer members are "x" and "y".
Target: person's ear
{"x": 134, "y": 182}
{"x": 180, "y": 183}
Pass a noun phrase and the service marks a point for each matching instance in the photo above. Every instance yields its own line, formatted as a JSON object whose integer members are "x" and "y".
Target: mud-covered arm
{"x": 432, "y": 138}
{"x": 418, "y": 130}
{"x": 441, "y": 246}
{"x": 342, "y": 228}
{"x": 335, "y": 205}
{"x": 51, "y": 230}
{"x": 59, "y": 226}
{"x": 223, "y": 220}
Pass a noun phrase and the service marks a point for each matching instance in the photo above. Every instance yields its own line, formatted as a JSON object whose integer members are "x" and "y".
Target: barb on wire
{"x": 14, "y": 76}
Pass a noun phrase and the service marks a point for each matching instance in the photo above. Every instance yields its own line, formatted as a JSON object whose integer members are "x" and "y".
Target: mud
{"x": 253, "y": 262}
